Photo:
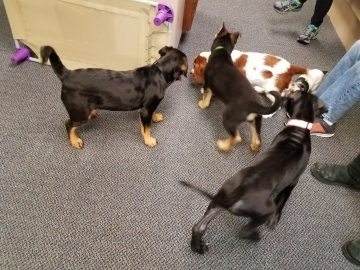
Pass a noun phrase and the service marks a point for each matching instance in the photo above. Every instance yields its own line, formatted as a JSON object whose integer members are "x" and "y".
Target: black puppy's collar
{"x": 219, "y": 48}
{"x": 299, "y": 123}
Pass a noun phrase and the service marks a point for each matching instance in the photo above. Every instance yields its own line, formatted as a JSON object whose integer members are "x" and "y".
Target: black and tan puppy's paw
{"x": 158, "y": 117}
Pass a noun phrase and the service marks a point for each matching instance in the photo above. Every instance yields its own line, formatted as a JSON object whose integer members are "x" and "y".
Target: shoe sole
{"x": 323, "y": 135}
{"x": 347, "y": 255}
{"x": 284, "y": 12}
{"x": 305, "y": 42}
{"x": 324, "y": 181}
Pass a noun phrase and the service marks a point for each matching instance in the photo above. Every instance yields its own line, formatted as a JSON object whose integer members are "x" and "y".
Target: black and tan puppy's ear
{"x": 223, "y": 31}
{"x": 164, "y": 50}
{"x": 234, "y": 37}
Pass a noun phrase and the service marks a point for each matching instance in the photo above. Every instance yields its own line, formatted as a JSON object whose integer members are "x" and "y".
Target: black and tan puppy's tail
{"x": 270, "y": 109}
{"x": 202, "y": 192}
{"x": 47, "y": 53}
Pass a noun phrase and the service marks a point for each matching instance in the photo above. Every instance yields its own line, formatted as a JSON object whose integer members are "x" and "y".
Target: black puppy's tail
{"x": 202, "y": 192}
{"x": 276, "y": 104}
{"x": 48, "y": 52}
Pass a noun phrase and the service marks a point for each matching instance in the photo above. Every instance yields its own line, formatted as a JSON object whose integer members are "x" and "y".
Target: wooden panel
{"x": 345, "y": 21}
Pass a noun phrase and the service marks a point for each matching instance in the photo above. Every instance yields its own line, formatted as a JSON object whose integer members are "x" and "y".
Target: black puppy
{"x": 261, "y": 190}
{"x": 242, "y": 102}
{"x": 86, "y": 90}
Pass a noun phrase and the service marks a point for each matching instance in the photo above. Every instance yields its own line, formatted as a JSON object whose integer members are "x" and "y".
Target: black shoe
{"x": 351, "y": 251}
{"x": 334, "y": 175}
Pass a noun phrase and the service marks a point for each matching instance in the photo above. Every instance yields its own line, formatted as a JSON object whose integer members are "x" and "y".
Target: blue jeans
{"x": 341, "y": 88}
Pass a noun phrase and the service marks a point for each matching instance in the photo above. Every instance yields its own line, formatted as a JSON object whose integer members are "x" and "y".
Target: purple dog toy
{"x": 20, "y": 55}
{"x": 165, "y": 13}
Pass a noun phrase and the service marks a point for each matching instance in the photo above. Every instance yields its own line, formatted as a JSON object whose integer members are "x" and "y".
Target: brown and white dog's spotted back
{"x": 265, "y": 72}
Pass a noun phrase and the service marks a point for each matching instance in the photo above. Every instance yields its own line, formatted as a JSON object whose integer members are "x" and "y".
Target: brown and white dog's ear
{"x": 234, "y": 37}
{"x": 164, "y": 50}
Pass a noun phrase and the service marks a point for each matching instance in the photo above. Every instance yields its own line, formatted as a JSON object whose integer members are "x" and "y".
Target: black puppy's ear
{"x": 164, "y": 50}
{"x": 234, "y": 37}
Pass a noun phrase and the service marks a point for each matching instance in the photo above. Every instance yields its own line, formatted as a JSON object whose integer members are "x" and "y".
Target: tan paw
{"x": 202, "y": 104}
{"x": 255, "y": 147}
{"x": 224, "y": 145}
{"x": 158, "y": 117}
{"x": 93, "y": 114}
{"x": 151, "y": 142}
{"x": 237, "y": 139}
{"x": 77, "y": 143}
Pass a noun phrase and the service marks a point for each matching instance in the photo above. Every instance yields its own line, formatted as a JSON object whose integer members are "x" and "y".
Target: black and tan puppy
{"x": 261, "y": 190}
{"x": 86, "y": 90}
{"x": 242, "y": 102}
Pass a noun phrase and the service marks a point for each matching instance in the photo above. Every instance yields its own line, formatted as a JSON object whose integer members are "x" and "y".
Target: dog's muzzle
{"x": 300, "y": 84}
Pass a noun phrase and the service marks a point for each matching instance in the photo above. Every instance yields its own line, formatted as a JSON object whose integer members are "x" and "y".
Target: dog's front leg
{"x": 157, "y": 117}
{"x": 146, "y": 115}
{"x": 206, "y": 98}
{"x": 145, "y": 121}
{"x": 197, "y": 244}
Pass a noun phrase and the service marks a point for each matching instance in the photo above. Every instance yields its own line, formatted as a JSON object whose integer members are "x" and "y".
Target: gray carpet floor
{"x": 117, "y": 204}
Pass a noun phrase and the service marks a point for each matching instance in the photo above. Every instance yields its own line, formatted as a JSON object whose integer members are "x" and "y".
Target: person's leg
{"x": 332, "y": 174}
{"x": 321, "y": 9}
{"x": 348, "y": 60}
{"x": 340, "y": 91}
{"x": 343, "y": 94}
{"x": 285, "y": 6}
{"x": 354, "y": 168}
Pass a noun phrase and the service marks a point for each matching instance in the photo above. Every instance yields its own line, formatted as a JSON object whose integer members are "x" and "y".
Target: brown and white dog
{"x": 265, "y": 72}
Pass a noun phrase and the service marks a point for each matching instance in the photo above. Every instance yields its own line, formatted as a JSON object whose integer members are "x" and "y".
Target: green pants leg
{"x": 354, "y": 169}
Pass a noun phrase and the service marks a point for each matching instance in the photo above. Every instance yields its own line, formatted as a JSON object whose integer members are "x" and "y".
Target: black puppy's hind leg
{"x": 78, "y": 116}
{"x": 230, "y": 122}
{"x": 198, "y": 230}
{"x": 249, "y": 231}
{"x": 92, "y": 114}
{"x": 259, "y": 208}
{"x": 280, "y": 201}
{"x": 255, "y": 129}
{"x": 71, "y": 128}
